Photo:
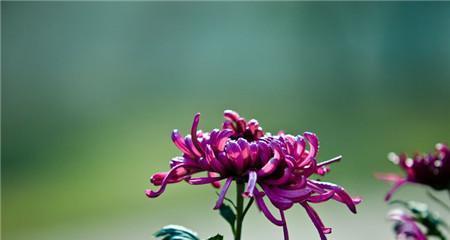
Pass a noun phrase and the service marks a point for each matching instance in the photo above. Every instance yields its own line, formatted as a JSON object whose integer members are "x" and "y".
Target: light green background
{"x": 91, "y": 92}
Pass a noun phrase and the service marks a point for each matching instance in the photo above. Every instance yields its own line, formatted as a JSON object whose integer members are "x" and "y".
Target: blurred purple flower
{"x": 430, "y": 169}
{"x": 278, "y": 167}
{"x": 406, "y": 227}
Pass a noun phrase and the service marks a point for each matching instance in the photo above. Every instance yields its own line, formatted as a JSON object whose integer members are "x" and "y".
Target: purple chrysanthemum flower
{"x": 278, "y": 167}
{"x": 406, "y": 228}
{"x": 430, "y": 169}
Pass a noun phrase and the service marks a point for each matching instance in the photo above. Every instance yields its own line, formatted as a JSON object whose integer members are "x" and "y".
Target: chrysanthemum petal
{"x": 272, "y": 164}
{"x": 222, "y": 139}
{"x": 178, "y": 140}
{"x": 234, "y": 154}
{"x": 340, "y": 193}
{"x": 153, "y": 194}
{"x": 323, "y": 197}
{"x": 191, "y": 147}
{"x": 285, "y": 228}
{"x": 203, "y": 180}
{"x": 197, "y": 145}
{"x": 263, "y": 208}
{"x": 313, "y": 144}
{"x": 252, "y": 177}
{"x": 215, "y": 184}
{"x": 394, "y": 188}
{"x": 223, "y": 192}
{"x": 321, "y": 229}
{"x": 231, "y": 115}
{"x": 212, "y": 160}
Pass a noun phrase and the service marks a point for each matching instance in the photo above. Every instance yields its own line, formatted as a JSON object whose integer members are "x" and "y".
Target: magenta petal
{"x": 389, "y": 177}
{"x": 321, "y": 197}
{"x": 252, "y": 177}
{"x": 244, "y": 145}
{"x": 229, "y": 125}
{"x": 213, "y": 136}
{"x": 296, "y": 195}
{"x": 231, "y": 115}
{"x": 253, "y": 153}
{"x": 340, "y": 192}
{"x": 407, "y": 225}
{"x": 223, "y": 192}
{"x": 223, "y": 159}
{"x": 263, "y": 208}
{"x": 222, "y": 139}
{"x": 285, "y": 228}
{"x": 277, "y": 200}
{"x": 194, "y": 132}
{"x": 313, "y": 144}
{"x": 203, "y": 180}
{"x": 269, "y": 168}
{"x": 214, "y": 163}
{"x": 241, "y": 124}
{"x": 299, "y": 146}
{"x": 285, "y": 177}
{"x": 209, "y": 155}
{"x": 394, "y": 188}
{"x": 191, "y": 147}
{"x": 178, "y": 140}
{"x": 234, "y": 154}
{"x": 264, "y": 152}
{"x": 152, "y": 194}
{"x": 271, "y": 165}
{"x": 215, "y": 184}
{"x": 253, "y": 125}
{"x": 316, "y": 220}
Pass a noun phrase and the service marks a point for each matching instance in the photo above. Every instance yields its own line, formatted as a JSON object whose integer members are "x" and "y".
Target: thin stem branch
{"x": 228, "y": 200}
{"x": 249, "y": 204}
{"x": 231, "y": 202}
{"x": 437, "y": 200}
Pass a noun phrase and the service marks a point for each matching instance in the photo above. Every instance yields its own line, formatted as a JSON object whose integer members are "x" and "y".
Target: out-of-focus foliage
{"x": 175, "y": 232}
{"x": 433, "y": 223}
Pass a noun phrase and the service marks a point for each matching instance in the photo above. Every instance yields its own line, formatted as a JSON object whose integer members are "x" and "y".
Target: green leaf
{"x": 175, "y": 232}
{"x": 227, "y": 213}
{"x": 217, "y": 237}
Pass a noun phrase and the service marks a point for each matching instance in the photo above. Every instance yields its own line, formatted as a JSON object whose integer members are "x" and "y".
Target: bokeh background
{"x": 92, "y": 91}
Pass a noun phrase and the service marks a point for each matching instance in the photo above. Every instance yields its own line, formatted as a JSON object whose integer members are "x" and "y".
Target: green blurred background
{"x": 91, "y": 92}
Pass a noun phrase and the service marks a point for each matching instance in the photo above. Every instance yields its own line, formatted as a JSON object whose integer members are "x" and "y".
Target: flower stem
{"x": 239, "y": 209}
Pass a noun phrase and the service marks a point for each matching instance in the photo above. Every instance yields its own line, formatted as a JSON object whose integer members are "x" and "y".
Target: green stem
{"x": 249, "y": 204}
{"x": 239, "y": 209}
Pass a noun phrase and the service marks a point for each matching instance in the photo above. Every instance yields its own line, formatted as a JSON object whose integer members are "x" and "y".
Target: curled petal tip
{"x": 327, "y": 230}
{"x": 232, "y": 115}
{"x": 247, "y": 194}
{"x": 194, "y": 133}
{"x": 357, "y": 200}
{"x": 310, "y": 136}
{"x": 196, "y": 118}
{"x": 150, "y": 193}
{"x": 216, "y": 184}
